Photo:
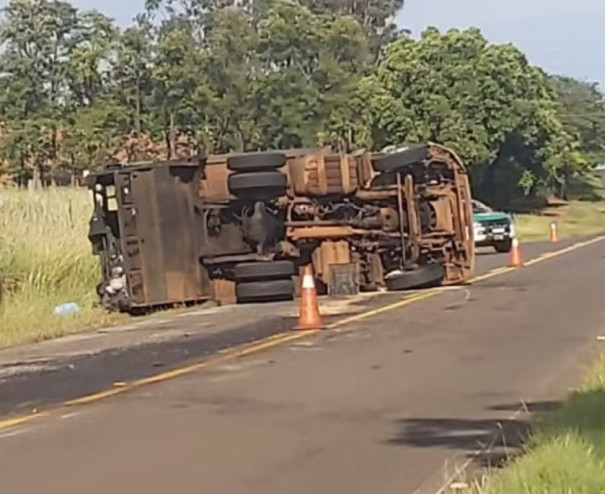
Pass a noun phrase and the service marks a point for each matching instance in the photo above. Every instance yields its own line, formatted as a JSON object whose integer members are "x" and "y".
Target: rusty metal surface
{"x": 156, "y": 234}
{"x": 330, "y": 254}
{"x": 446, "y": 238}
{"x": 322, "y": 232}
{"x": 462, "y": 265}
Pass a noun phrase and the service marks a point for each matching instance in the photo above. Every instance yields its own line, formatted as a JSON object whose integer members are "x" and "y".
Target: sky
{"x": 562, "y": 36}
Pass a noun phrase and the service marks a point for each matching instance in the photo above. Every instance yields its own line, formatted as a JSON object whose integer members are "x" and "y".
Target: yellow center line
{"x": 491, "y": 274}
{"x": 386, "y": 308}
{"x": 273, "y": 341}
{"x": 19, "y": 420}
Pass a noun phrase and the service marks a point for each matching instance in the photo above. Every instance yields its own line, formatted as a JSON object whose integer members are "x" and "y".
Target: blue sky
{"x": 562, "y": 36}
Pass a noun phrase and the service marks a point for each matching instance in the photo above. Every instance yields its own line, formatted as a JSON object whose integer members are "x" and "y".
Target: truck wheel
{"x": 270, "y": 270}
{"x": 265, "y": 291}
{"x": 251, "y": 162}
{"x": 425, "y": 276}
{"x": 259, "y": 185}
{"x": 504, "y": 246}
{"x": 393, "y": 162}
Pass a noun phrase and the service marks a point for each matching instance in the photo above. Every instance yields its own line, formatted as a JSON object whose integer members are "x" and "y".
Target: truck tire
{"x": 425, "y": 276}
{"x": 393, "y": 162}
{"x": 251, "y": 162}
{"x": 261, "y": 185}
{"x": 264, "y": 291}
{"x": 504, "y": 246}
{"x": 270, "y": 270}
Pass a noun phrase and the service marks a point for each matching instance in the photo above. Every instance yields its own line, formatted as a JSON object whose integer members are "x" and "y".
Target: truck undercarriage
{"x": 240, "y": 227}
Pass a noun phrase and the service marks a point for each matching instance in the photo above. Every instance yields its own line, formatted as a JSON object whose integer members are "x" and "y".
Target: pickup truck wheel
{"x": 425, "y": 276}
{"x": 393, "y": 162}
{"x": 259, "y": 185}
{"x": 504, "y": 246}
{"x": 265, "y": 291}
{"x": 251, "y": 162}
{"x": 270, "y": 270}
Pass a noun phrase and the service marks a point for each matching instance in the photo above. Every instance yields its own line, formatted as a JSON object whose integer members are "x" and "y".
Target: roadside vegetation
{"x": 567, "y": 452}
{"x": 583, "y": 215}
{"x": 45, "y": 260}
{"x": 573, "y": 219}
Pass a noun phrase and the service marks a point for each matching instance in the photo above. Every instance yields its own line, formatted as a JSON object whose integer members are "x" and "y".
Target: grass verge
{"x": 576, "y": 218}
{"x": 45, "y": 260}
{"x": 567, "y": 452}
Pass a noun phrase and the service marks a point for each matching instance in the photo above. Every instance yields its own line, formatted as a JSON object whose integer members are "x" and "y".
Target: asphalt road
{"x": 394, "y": 403}
{"x": 42, "y": 375}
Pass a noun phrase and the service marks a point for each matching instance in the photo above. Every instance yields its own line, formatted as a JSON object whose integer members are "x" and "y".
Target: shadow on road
{"x": 490, "y": 442}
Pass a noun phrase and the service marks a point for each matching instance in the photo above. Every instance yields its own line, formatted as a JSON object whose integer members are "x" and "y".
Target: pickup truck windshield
{"x": 479, "y": 208}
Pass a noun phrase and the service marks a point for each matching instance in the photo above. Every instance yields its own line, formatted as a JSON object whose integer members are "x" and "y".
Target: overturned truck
{"x": 238, "y": 228}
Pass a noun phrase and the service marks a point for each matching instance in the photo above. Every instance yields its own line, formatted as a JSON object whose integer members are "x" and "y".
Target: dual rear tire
{"x": 256, "y": 176}
{"x": 269, "y": 281}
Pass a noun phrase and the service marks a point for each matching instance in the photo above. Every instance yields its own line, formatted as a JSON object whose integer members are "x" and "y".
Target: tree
{"x": 91, "y": 45}
{"x": 93, "y": 134}
{"x": 376, "y": 17}
{"x": 344, "y": 58}
{"x": 177, "y": 78}
{"x": 37, "y": 42}
{"x": 486, "y": 101}
{"x": 231, "y": 68}
{"x": 581, "y": 108}
{"x": 311, "y": 64}
{"x": 132, "y": 73}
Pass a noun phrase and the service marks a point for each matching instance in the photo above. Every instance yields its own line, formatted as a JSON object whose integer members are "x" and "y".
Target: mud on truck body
{"x": 239, "y": 227}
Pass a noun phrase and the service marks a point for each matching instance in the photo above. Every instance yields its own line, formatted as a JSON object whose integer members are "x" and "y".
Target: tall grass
{"x": 45, "y": 260}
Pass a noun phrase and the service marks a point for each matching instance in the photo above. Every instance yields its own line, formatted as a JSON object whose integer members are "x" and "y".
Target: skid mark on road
{"x": 281, "y": 339}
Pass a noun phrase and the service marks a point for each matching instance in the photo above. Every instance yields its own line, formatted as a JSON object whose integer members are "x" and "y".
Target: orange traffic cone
{"x": 554, "y": 234}
{"x": 309, "y": 318}
{"x": 516, "y": 258}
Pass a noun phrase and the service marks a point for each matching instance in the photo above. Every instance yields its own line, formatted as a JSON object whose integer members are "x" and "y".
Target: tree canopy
{"x": 485, "y": 101}
{"x": 581, "y": 108}
{"x": 78, "y": 91}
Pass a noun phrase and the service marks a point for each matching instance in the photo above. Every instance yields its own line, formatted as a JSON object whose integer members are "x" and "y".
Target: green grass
{"x": 567, "y": 452}
{"x": 45, "y": 260}
{"x": 576, "y": 218}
